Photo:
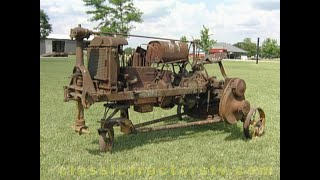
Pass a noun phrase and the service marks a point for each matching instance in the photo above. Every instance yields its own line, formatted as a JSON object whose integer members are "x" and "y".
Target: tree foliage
{"x": 248, "y": 46}
{"x": 129, "y": 50}
{"x": 270, "y": 48}
{"x": 115, "y": 15}
{"x": 205, "y": 42}
{"x": 183, "y": 39}
{"x": 45, "y": 26}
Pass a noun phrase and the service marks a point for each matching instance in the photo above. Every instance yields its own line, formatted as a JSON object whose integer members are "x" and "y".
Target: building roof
{"x": 228, "y": 47}
{"x": 64, "y": 37}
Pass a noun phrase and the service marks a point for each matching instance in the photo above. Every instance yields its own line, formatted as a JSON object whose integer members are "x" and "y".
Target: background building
{"x": 233, "y": 52}
{"x": 52, "y": 45}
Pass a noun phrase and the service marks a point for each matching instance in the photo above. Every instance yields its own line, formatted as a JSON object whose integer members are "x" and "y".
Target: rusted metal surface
{"x": 96, "y": 63}
{"x": 138, "y": 58}
{"x": 103, "y": 65}
{"x": 154, "y": 77}
{"x": 155, "y": 121}
{"x": 137, "y": 94}
{"x": 106, "y": 138}
{"x": 81, "y": 86}
{"x": 179, "y": 125}
{"x": 79, "y": 125}
{"x": 166, "y": 52}
{"x": 222, "y": 70}
{"x": 79, "y": 34}
{"x": 108, "y": 41}
{"x": 256, "y": 121}
{"x": 233, "y": 105}
{"x": 144, "y": 76}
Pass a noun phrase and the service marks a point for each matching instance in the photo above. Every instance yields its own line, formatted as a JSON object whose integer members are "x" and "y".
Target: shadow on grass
{"x": 94, "y": 151}
{"x": 126, "y": 142}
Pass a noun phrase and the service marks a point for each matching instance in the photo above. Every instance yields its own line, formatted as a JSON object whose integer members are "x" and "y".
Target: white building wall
{"x": 48, "y": 44}
{"x": 70, "y": 46}
{"x": 42, "y": 47}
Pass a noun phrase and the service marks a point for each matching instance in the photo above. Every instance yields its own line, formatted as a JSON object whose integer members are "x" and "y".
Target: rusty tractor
{"x": 142, "y": 81}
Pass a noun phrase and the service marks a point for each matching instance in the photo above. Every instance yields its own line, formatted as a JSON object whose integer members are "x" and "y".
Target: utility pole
{"x": 257, "y": 51}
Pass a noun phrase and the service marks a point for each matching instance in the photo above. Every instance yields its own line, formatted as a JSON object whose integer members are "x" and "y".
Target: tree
{"x": 129, "y": 50}
{"x": 248, "y": 46}
{"x": 115, "y": 15}
{"x": 270, "y": 48}
{"x": 205, "y": 42}
{"x": 278, "y": 52}
{"x": 183, "y": 39}
{"x": 45, "y": 27}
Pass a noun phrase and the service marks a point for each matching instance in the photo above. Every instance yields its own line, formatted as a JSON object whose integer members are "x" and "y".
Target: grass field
{"x": 217, "y": 151}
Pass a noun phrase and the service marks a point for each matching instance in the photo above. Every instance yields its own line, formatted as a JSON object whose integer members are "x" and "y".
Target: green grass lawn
{"x": 217, "y": 151}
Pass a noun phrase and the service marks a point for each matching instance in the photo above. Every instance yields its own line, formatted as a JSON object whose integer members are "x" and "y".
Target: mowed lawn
{"x": 217, "y": 151}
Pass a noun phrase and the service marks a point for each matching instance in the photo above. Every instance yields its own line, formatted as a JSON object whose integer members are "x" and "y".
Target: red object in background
{"x": 201, "y": 55}
{"x": 213, "y": 51}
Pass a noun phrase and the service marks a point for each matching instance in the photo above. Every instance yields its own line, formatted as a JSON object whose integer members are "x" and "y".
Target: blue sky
{"x": 228, "y": 20}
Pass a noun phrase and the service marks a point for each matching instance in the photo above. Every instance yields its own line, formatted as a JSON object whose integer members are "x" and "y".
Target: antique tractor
{"x": 142, "y": 81}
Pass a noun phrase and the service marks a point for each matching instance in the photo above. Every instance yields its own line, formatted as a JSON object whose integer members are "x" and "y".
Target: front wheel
{"x": 106, "y": 140}
{"x": 254, "y": 123}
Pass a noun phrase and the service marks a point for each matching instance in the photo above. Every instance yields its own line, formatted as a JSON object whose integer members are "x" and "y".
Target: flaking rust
{"x": 143, "y": 81}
